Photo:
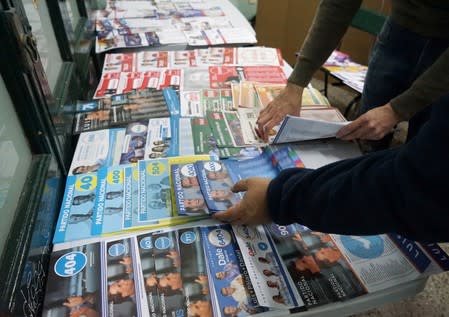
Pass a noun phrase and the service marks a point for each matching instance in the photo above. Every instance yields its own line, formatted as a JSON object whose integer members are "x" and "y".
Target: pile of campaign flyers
{"x": 224, "y": 270}
{"x": 157, "y": 192}
{"x": 205, "y": 186}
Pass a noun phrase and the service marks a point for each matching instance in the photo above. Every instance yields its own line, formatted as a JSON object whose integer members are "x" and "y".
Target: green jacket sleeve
{"x": 329, "y": 25}
{"x": 425, "y": 90}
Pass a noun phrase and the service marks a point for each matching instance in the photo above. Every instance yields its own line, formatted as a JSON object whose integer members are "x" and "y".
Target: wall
{"x": 284, "y": 24}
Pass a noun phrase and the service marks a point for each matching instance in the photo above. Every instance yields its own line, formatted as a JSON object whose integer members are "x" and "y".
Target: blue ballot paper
{"x": 216, "y": 178}
{"x": 216, "y": 183}
{"x": 189, "y": 199}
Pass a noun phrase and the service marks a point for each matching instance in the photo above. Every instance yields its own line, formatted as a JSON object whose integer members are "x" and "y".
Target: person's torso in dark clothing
{"x": 425, "y": 17}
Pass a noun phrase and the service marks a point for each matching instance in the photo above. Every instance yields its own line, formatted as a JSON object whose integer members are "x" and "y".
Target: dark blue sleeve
{"x": 403, "y": 190}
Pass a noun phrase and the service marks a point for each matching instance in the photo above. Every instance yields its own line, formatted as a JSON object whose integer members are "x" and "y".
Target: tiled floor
{"x": 433, "y": 301}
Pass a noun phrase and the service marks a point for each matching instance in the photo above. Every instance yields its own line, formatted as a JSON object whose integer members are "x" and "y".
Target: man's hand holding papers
{"x": 373, "y": 125}
{"x": 287, "y": 103}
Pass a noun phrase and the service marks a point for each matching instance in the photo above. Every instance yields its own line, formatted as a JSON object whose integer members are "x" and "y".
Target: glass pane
{"x": 74, "y": 15}
{"x": 69, "y": 25}
{"x": 15, "y": 159}
{"x": 42, "y": 29}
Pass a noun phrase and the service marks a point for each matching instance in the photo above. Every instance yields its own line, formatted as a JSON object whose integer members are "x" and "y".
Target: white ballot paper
{"x": 295, "y": 129}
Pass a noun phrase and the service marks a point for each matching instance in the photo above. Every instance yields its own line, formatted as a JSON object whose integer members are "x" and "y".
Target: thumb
{"x": 240, "y": 186}
{"x": 348, "y": 129}
{"x": 229, "y": 215}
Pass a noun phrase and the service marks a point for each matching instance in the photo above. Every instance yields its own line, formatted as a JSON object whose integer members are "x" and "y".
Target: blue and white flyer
{"x": 268, "y": 164}
{"x": 195, "y": 281}
{"x": 96, "y": 149}
{"x": 108, "y": 209}
{"x": 130, "y": 196}
{"x": 168, "y": 272}
{"x": 154, "y": 190}
{"x": 131, "y": 200}
{"x": 123, "y": 290}
{"x": 316, "y": 266}
{"x": 77, "y": 208}
{"x": 216, "y": 183}
{"x": 260, "y": 166}
{"x": 74, "y": 283}
{"x": 188, "y": 196}
{"x": 162, "y": 138}
{"x": 259, "y": 256}
{"x": 228, "y": 274}
{"x": 134, "y": 142}
{"x": 147, "y": 272}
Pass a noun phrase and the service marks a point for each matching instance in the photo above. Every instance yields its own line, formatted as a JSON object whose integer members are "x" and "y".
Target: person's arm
{"x": 425, "y": 90}
{"x": 403, "y": 190}
{"x": 331, "y": 21}
{"x": 329, "y": 25}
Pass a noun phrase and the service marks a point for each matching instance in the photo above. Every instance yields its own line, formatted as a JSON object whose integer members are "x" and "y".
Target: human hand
{"x": 372, "y": 125}
{"x": 73, "y": 301}
{"x": 174, "y": 256}
{"x": 252, "y": 209}
{"x": 204, "y": 282}
{"x": 151, "y": 281}
{"x": 324, "y": 237}
{"x": 297, "y": 237}
{"x": 127, "y": 262}
{"x": 201, "y": 279}
{"x": 84, "y": 311}
{"x": 288, "y": 102}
